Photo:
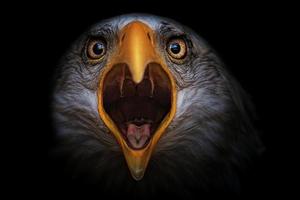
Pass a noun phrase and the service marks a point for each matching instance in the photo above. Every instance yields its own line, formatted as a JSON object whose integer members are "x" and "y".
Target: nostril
{"x": 123, "y": 37}
{"x": 149, "y": 37}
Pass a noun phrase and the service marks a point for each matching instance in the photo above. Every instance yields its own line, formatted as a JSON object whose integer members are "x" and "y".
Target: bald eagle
{"x": 143, "y": 105}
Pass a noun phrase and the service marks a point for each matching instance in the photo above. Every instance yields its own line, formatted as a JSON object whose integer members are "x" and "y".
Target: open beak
{"x": 137, "y": 95}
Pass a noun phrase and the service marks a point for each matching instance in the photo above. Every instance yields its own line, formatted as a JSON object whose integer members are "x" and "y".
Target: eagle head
{"x": 145, "y": 93}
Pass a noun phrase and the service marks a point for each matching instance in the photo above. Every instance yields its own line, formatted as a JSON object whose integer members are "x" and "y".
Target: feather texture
{"x": 207, "y": 146}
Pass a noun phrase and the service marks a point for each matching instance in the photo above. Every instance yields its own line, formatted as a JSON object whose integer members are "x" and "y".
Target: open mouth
{"x": 137, "y": 110}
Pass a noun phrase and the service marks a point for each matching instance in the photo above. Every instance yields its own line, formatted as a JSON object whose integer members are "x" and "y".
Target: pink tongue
{"x": 138, "y": 135}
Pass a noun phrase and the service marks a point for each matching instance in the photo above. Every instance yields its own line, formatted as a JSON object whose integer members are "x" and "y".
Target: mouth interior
{"x": 137, "y": 109}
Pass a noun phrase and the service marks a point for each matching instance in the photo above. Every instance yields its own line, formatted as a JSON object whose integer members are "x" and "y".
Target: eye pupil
{"x": 175, "y": 48}
{"x": 98, "y": 48}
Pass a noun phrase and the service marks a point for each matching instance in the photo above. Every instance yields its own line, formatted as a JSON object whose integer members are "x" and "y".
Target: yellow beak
{"x": 136, "y": 48}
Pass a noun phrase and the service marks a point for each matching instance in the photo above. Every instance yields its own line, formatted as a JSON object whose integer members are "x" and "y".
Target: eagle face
{"x": 150, "y": 90}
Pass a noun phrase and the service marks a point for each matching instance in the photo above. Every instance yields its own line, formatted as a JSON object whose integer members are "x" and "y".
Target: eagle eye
{"x": 96, "y": 49}
{"x": 177, "y": 48}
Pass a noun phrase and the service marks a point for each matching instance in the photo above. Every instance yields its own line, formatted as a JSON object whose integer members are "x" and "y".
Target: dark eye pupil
{"x": 98, "y": 48}
{"x": 175, "y": 48}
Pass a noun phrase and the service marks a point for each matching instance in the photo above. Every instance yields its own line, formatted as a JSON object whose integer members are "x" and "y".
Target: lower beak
{"x": 136, "y": 52}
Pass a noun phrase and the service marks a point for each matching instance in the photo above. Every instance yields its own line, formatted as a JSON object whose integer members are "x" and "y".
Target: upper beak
{"x": 136, "y": 48}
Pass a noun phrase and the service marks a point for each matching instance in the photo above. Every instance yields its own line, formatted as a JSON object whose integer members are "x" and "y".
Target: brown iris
{"x": 176, "y": 48}
{"x": 96, "y": 49}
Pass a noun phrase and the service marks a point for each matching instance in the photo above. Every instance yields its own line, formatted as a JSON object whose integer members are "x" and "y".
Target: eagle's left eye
{"x": 177, "y": 48}
{"x": 96, "y": 49}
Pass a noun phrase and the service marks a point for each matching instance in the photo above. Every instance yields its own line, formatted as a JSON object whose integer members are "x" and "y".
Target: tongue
{"x": 138, "y": 135}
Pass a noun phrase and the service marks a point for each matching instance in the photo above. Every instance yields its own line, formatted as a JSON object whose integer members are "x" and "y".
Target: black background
{"x": 249, "y": 37}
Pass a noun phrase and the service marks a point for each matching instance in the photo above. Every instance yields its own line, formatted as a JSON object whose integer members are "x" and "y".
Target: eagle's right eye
{"x": 96, "y": 49}
{"x": 177, "y": 48}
